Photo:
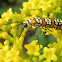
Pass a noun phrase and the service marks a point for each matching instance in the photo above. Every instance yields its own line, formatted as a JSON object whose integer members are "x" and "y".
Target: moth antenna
{"x": 11, "y": 23}
{"x": 22, "y": 29}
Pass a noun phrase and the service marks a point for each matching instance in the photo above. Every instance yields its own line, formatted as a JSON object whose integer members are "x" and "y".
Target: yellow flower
{"x": 14, "y": 25}
{"x": 58, "y": 10}
{"x": 10, "y": 55}
{"x": 32, "y": 12}
{"x": 5, "y": 27}
{"x": 51, "y": 15}
{"x": 24, "y": 32}
{"x": 55, "y": 33}
{"x": 28, "y": 17}
{"x": 41, "y": 57}
{"x": 15, "y": 49}
{"x": 50, "y": 45}
{"x": 5, "y": 35}
{"x": 35, "y": 2}
{"x": 7, "y": 15}
{"x": 61, "y": 53}
{"x": 1, "y": 55}
{"x": 26, "y": 10}
{"x": 6, "y": 42}
{"x": 44, "y": 16}
{"x": 18, "y": 59}
{"x": 0, "y": 35}
{"x": 32, "y": 8}
{"x": 35, "y": 59}
{"x": 59, "y": 40}
{"x": 27, "y": 60}
{"x": 21, "y": 39}
{"x": 44, "y": 61}
{"x": 33, "y": 48}
{"x": 25, "y": 4}
{"x": 54, "y": 45}
{"x": 6, "y": 48}
{"x": 1, "y": 45}
{"x": 49, "y": 54}
{"x": 14, "y": 32}
{"x": 36, "y": 12}
{"x": 1, "y": 21}
{"x": 16, "y": 17}
{"x": 19, "y": 44}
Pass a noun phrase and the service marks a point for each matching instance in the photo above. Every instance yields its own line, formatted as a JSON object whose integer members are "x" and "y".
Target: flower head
{"x": 7, "y": 15}
{"x": 49, "y": 54}
{"x": 33, "y": 48}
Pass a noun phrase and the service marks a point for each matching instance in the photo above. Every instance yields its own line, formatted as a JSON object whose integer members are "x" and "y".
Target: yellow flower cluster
{"x": 49, "y": 54}
{"x": 42, "y": 8}
{"x": 12, "y": 36}
{"x": 11, "y": 32}
{"x": 9, "y": 54}
{"x": 33, "y": 49}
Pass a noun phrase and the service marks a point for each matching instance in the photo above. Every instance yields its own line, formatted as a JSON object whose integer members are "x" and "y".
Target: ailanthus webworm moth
{"x": 41, "y": 22}
{"x": 44, "y": 22}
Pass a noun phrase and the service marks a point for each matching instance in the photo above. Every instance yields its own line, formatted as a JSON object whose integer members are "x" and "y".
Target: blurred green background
{"x": 14, "y": 4}
{"x": 30, "y": 35}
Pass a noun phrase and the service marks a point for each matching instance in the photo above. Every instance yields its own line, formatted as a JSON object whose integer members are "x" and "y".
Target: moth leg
{"x": 30, "y": 28}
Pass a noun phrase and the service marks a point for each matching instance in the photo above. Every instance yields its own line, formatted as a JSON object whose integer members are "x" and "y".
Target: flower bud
{"x": 13, "y": 25}
{"x": 6, "y": 42}
{"x": 1, "y": 21}
{"x": 5, "y": 35}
